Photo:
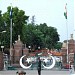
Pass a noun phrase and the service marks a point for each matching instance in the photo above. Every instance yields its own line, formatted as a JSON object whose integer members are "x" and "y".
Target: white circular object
{"x": 21, "y": 64}
{"x": 51, "y": 66}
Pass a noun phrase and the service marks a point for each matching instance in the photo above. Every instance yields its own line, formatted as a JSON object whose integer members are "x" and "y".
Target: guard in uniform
{"x": 39, "y": 66}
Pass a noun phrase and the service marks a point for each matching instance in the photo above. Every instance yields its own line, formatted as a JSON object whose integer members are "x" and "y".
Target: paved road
{"x": 34, "y": 72}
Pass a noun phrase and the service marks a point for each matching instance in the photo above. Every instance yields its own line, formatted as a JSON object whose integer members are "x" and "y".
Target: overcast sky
{"x": 47, "y": 11}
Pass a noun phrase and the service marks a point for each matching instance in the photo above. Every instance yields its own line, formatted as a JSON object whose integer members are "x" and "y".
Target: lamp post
{"x": 10, "y": 29}
{"x": 2, "y": 48}
{"x": 29, "y": 48}
{"x": 39, "y": 48}
{"x": 4, "y": 36}
{"x": 2, "y": 33}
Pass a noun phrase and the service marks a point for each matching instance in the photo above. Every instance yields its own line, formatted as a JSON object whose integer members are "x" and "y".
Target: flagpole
{"x": 65, "y": 14}
{"x": 10, "y": 33}
{"x": 67, "y": 42}
{"x": 67, "y": 35}
{"x": 74, "y": 35}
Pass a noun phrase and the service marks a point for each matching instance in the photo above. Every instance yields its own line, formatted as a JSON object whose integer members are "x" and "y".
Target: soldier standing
{"x": 39, "y": 66}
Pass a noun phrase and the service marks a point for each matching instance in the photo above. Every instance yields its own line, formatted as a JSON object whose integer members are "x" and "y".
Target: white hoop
{"x": 21, "y": 64}
{"x": 51, "y": 66}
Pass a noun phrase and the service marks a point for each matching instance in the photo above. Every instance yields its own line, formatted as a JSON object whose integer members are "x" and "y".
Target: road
{"x": 34, "y": 72}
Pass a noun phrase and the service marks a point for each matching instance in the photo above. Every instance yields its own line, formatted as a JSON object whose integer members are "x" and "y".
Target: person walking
{"x": 71, "y": 69}
{"x": 39, "y": 66}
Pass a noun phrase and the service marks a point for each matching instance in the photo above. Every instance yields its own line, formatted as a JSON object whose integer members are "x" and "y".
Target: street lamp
{"x": 4, "y": 36}
{"x": 29, "y": 48}
{"x": 2, "y": 48}
{"x": 3, "y": 31}
{"x": 39, "y": 48}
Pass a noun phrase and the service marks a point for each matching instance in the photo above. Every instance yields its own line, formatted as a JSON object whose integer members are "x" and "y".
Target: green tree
{"x": 51, "y": 35}
{"x": 32, "y": 35}
{"x": 58, "y": 46}
{"x": 2, "y": 28}
{"x": 18, "y": 20}
{"x": 1, "y": 22}
{"x": 40, "y": 35}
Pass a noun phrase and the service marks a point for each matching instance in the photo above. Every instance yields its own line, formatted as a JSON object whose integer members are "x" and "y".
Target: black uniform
{"x": 39, "y": 66}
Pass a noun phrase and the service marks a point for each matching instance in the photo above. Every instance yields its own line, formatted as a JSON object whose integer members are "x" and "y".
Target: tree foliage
{"x": 40, "y": 35}
{"x": 18, "y": 20}
{"x": 58, "y": 46}
{"x": 51, "y": 35}
{"x": 31, "y": 34}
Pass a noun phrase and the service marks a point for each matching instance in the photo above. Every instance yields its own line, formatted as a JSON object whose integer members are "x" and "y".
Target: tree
{"x": 51, "y": 35}
{"x": 32, "y": 36}
{"x": 40, "y": 35}
{"x": 2, "y": 28}
{"x": 1, "y": 22}
{"x": 58, "y": 46}
{"x": 18, "y": 18}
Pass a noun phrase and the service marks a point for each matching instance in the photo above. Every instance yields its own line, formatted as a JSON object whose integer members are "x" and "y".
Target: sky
{"x": 50, "y": 12}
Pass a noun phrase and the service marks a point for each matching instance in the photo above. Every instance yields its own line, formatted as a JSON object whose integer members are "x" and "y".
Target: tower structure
{"x": 71, "y": 50}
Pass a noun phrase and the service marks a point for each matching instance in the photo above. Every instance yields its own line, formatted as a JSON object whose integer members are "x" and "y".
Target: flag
{"x": 65, "y": 13}
{"x": 11, "y": 13}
